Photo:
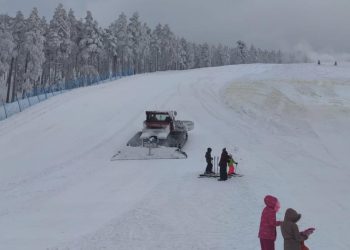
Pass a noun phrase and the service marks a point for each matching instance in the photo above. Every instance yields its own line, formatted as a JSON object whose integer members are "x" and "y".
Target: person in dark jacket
{"x": 223, "y": 165}
{"x": 268, "y": 223}
{"x": 209, "y": 160}
{"x": 290, "y": 231}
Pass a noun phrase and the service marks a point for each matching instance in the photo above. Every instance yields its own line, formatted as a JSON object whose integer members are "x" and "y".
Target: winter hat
{"x": 292, "y": 215}
{"x": 270, "y": 201}
{"x": 209, "y": 149}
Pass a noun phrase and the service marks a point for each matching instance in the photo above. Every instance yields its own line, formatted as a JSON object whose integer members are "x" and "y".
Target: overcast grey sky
{"x": 318, "y": 25}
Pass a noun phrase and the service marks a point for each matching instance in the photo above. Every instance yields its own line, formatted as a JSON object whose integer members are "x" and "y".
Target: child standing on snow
{"x": 268, "y": 223}
{"x": 231, "y": 168}
{"x": 293, "y": 239}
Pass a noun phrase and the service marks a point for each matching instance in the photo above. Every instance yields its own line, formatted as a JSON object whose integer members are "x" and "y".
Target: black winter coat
{"x": 208, "y": 157}
{"x": 223, "y": 159}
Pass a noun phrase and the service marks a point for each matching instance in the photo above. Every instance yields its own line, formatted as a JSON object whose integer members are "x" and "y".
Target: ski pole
{"x": 214, "y": 162}
{"x": 217, "y": 165}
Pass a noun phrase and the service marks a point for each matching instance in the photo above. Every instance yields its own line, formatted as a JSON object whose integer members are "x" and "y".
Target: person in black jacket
{"x": 209, "y": 160}
{"x": 223, "y": 165}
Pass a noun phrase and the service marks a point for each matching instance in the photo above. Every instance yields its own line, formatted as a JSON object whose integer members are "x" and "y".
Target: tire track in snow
{"x": 65, "y": 174}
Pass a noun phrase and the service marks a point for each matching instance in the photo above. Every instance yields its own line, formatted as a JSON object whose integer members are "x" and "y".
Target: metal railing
{"x": 40, "y": 94}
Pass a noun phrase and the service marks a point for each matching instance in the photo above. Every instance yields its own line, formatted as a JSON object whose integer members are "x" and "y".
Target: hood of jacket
{"x": 270, "y": 201}
{"x": 291, "y": 215}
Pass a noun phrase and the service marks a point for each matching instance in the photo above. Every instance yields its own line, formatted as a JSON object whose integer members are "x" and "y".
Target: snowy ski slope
{"x": 286, "y": 125}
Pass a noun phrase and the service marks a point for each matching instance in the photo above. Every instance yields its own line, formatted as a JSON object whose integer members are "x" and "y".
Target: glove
{"x": 309, "y": 231}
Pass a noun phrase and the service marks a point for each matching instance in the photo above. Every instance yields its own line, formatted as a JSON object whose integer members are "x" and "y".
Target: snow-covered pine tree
{"x": 58, "y": 45}
{"x": 134, "y": 33}
{"x": 279, "y": 56}
{"x": 103, "y": 62}
{"x": 242, "y": 51}
{"x": 216, "y": 59}
{"x": 90, "y": 47}
{"x": 34, "y": 51}
{"x": 204, "y": 56}
{"x": 156, "y": 38}
{"x": 16, "y": 70}
{"x": 6, "y": 54}
{"x": 226, "y": 55}
{"x": 45, "y": 69}
{"x": 6, "y": 47}
{"x": 123, "y": 41}
{"x": 119, "y": 29}
{"x": 167, "y": 48}
{"x": 111, "y": 46}
{"x": 196, "y": 52}
{"x": 252, "y": 55}
{"x": 76, "y": 29}
{"x": 190, "y": 55}
{"x": 177, "y": 54}
{"x": 182, "y": 54}
{"x": 145, "y": 46}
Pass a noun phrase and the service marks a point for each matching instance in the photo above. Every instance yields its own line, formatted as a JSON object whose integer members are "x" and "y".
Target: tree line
{"x": 38, "y": 54}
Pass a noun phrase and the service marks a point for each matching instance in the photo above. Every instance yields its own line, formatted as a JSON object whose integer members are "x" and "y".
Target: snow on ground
{"x": 286, "y": 125}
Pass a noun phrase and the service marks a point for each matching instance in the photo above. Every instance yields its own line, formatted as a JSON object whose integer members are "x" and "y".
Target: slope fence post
{"x": 28, "y": 100}
{"x": 4, "y": 105}
{"x": 50, "y": 88}
{"x": 19, "y": 106}
{"x": 215, "y": 164}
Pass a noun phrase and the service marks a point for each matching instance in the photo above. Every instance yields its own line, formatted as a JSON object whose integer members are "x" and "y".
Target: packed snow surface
{"x": 288, "y": 126}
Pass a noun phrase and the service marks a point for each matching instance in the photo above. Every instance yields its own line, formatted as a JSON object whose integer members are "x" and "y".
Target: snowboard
{"x": 231, "y": 176}
{"x": 236, "y": 175}
{"x": 218, "y": 176}
{"x": 208, "y": 175}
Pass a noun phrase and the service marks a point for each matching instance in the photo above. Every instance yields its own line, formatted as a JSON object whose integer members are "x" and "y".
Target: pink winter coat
{"x": 268, "y": 221}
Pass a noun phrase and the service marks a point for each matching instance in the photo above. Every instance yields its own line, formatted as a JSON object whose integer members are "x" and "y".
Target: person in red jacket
{"x": 268, "y": 223}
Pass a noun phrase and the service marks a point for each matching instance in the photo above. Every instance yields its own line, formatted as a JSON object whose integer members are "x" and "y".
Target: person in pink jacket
{"x": 268, "y": 223}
